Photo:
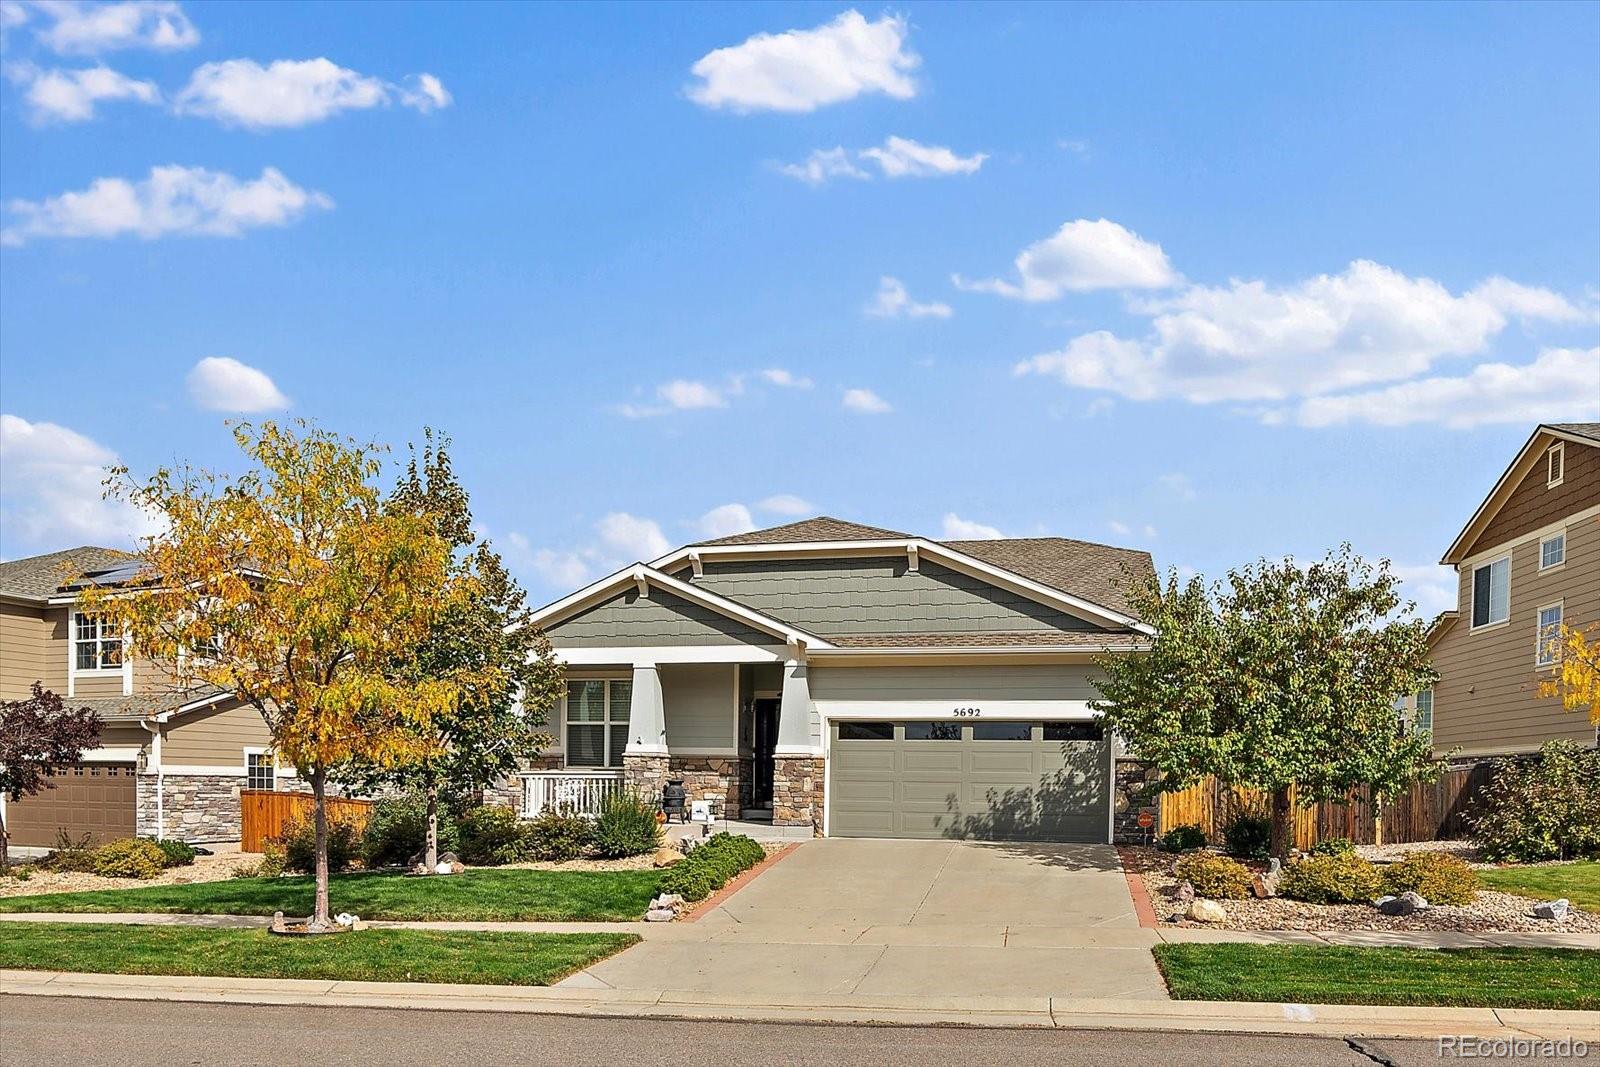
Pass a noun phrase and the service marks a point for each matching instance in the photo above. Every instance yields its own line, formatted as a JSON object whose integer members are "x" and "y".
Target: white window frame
{"x": 272, "y": 763}
{"x": 1555, "y": 457}
{"x": 1559, "y": 535}
{"x": 1540, "y": 644}
{"x": 1472, "y": 595}
{"x": 607, "y": 724}
{"x": 100, "y": 641}
{"x": 1416, "y": 711}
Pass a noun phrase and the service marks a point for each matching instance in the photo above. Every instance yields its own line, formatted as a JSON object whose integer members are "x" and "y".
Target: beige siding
{"x": 121, "y": 735}
{"x": 1533, "y": 505}
{"x": 107, "y": 684}
{"x": 214, "y": 738}
{"x": 1487, "y": 698}
{"x": 699, "y": 706}
{"x": 23, "y": 644}
{"x": 57, "y": 630}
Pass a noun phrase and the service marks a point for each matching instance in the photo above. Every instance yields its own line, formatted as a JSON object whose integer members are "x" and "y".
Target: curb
{"x": 1142, "y": 906}
{"x": 744, "y": 878}
{"x": 1336, "y": 1020}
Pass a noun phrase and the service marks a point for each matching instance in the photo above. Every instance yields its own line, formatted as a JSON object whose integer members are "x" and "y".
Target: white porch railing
{"x": 581, "y": 791}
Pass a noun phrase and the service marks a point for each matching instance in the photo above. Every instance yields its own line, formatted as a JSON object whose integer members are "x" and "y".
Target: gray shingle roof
{"x": 1100, "y": 574}
{"x": 821, "y": 528}
{"x": 40, "y": 577}
{"x": 1590, "y": 430}
{"x": 143, "y": 705}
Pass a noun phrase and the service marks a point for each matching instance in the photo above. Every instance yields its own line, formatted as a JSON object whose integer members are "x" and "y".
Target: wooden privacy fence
{"x": 263, "y": 814}
{"x": 1428, "y": 811}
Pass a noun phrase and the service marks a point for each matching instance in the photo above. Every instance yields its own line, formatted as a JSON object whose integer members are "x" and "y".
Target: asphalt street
{"x": 39, "y": 1031}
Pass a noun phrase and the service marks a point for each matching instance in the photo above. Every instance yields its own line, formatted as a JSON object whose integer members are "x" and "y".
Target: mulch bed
{"x": 1489, "y": 912}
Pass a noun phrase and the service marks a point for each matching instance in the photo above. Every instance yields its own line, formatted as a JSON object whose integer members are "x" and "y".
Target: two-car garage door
{"x": 987, "y": 780}
{"x": 96, "y": 799}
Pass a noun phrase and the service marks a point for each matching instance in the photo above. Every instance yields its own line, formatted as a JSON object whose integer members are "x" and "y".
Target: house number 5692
{"x": 968, "y": 713}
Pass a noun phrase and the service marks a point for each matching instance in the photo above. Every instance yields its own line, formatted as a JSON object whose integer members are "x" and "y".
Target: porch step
{"x": 756, "y": 814}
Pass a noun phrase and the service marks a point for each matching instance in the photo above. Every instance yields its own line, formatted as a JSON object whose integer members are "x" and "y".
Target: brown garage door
{"x": 89, "y": 798}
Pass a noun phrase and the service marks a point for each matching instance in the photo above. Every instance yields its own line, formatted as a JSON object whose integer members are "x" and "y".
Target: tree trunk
{"x": 431, "y": 852}
{"x": 1377, "y": 820}
{"x": 1282, "y": 823}
{"x": 320, "y": 919}
{"x": 5, "y": 843}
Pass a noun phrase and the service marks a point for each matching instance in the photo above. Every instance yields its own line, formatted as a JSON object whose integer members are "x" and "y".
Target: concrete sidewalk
{"x": 1342, "y": 1021}
{"x": 883, "y": 935}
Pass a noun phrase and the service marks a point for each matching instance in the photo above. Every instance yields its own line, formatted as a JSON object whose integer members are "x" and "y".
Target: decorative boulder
{"x": 1404, "y": 904}
{"x": 660, "y": 915}
{"x": 666, "y": 857}
{"x": 1554, "y": 910}
{"x": 1264, "y": 886}
{"x": 1207, "y": 911}
{"x": 449, "y": 857}
{"x": 1184, "y": 893}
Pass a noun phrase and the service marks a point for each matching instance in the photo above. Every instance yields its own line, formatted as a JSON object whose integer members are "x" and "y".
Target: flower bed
{"x": 1489, "y": 912}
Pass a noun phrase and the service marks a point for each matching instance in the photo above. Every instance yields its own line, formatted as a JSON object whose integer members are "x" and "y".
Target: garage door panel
{"x": 96, "y": 799}
{"x": 982, "y": 789}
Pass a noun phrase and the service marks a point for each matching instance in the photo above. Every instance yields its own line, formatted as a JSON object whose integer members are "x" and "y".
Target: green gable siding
{"x": 660, "y": 619}
{"x": 879, "y": 595}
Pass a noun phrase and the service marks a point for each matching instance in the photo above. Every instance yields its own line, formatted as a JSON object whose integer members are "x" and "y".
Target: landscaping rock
{"x": 668, "y": 900}
{"x": 666, "y": 857}
{"x": 1274, "y": 867}
{"x": 660, "y": 915}
{"x": 1553, "y": 910}
{"x": 449, "y": 857}
{"x": 1404, "y": 904}
{"x": 1184, "y": 893}
{"x": 1264, "y": 886}
{"x": 1207, "y": 911}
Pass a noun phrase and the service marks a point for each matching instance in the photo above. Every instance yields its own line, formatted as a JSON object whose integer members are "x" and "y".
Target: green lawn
{"x": 1300, "y": 974}
{"x": 1578, "y": 882}
{"x": 361, "y": 956}
{"x": 552, "y": 896}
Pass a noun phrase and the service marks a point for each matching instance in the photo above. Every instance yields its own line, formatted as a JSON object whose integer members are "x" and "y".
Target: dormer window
{"x": 1555, "y": 464}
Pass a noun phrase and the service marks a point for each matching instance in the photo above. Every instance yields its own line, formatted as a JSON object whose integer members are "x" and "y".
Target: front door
{"x": 765, "y": 742}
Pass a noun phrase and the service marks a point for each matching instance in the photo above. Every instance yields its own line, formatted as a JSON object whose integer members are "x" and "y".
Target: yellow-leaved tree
{"x": 1577, "y": 674}
{"x": 298, "y": 588}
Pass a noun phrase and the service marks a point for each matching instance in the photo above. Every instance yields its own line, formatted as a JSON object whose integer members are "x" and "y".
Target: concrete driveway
{"x": 920, "y": 918}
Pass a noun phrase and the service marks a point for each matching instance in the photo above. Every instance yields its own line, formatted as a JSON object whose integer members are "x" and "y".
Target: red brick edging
{"x": 738, "y": 883}
{"x": 1142, "y": 908}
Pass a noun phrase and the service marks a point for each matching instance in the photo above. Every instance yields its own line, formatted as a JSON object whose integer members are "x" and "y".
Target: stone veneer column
{"x": 644, "y": 761}
{"x": 797, "y": 766}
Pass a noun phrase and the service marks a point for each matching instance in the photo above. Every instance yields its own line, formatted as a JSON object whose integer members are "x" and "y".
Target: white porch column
{"x": 794, "y": 713}
{"x": 647, "y": 719}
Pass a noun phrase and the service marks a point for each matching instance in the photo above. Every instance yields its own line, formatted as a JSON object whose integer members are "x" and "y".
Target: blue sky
{"x": 1221, "y": 281}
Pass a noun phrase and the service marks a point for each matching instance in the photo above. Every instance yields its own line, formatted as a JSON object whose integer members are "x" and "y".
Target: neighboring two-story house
{"x": 171, "y": 760}
{"x": 1529, "y": 563}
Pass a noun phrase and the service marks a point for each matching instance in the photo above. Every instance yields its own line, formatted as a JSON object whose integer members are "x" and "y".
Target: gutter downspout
{"x": 154, "y": 728}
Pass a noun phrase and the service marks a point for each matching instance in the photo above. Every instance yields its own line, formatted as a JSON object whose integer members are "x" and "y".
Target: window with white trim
{"x": 260, "y": 771}
{"x": 94, "y": 646}
{"x": 597, "y": 722}
{"x": 1553, "y": 551}
{"x": 1422, "y": 719}
{"x": 1548, "y": 649}
{"x": 1491, "y": 592}
{"x": 1555, "y": 464}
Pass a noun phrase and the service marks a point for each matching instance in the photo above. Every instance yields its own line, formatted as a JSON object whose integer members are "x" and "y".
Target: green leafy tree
{"x": 1281, "y": 678}
{"x": 495, "y": 726}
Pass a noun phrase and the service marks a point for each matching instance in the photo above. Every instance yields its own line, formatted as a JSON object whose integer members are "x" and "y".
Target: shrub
{"x": 129, "y": 858}
{"x": 1341, "y": 879}
{"x": 177, "y": 853}
{"x": 299, "y": 844}
{"x": 627, "y": 827}
{"x": 1248, "y": 835}
{"x": 1182, "y": 839}
{"x": 1333, "y": 846}
{"x": 74, "y": 855}
{"x": 559, "y": 834}
{"x": 397, "y": 829}
{"x": 492, "y": 835}
{"x": 1541, "y": 809}
{"x": 270, "y": 866}
{"x": 1214, "y": 876}
{"x": 709, "y": 867}
{"x": 1438, "y": 877}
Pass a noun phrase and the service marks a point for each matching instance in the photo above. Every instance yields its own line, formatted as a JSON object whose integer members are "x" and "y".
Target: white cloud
{"x": 1562, "y": 383}
{"x": 725, "y": 521}
{"x": 1121, "y": 529}
{"x": 51, "y": 491}
{"x": 784, "y": 379}
{"x": 1251, "y": 342}
{"x": 1179, "y": 485}
{"x": 635, "y": 538}
{"x": 865, "y": 402}
{"x": 901, "y": 157}
{"x": 173, "y": 200}
{"x": 786, "y": 504}
{"x": 822, "y": 166}
{"x": 289, "y": 92}
{"x": 72, "y": 27}
{"x": 958, "y": 529}
{"x": 689, "y": 396}
{"x": 71, "y": 95}
{"x": 1081, "y": 257}
{"x": 1433, "y": 587}
{"x": 801, "y": 70}
{"x": 218, "y": 383}
{"x": 892, "y": 302}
